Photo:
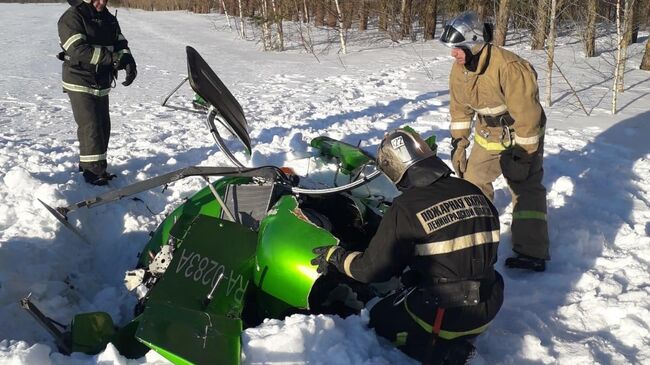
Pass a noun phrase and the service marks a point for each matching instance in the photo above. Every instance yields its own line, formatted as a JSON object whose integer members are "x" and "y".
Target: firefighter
{"x": 441, "y": 237}
{"x": 94, "y": 49}
{"x": 498, "y": 91}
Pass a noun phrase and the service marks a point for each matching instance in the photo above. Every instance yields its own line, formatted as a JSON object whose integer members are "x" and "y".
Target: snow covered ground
{"x": 591, "y": 306}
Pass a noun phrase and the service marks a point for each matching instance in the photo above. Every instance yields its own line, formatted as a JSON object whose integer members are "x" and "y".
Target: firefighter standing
{"x": 445, "y": 232}
{"x": 94, "y": 49}
{"x": 500, "y": 89}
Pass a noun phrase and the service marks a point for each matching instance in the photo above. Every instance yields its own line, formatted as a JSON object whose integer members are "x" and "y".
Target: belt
{"x": 460, "y": 292}
{"x": 498, "y": 120}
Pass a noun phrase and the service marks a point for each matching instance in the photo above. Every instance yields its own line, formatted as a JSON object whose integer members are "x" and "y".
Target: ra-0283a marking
{"x": 203, "y": 270}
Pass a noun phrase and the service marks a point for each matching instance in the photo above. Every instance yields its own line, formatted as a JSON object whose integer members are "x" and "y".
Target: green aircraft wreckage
{"x": 236, "y": 252}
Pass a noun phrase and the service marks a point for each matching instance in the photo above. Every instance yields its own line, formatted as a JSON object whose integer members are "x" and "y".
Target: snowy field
{"x": 592, "y": 306}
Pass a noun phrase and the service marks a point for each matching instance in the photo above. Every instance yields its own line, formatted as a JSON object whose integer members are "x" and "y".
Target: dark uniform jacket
{"x": 447, "y": 233}
{"x": 448, "y": 230}
{"x": 89, "y": 38}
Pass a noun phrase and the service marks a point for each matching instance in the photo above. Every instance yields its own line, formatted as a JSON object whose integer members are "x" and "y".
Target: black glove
{"x": 515, "y": 164}
{"x": 131, "y": 73}
{"x": 120, "y": 60}
{"x": 328, "y": 255}
{"x": 410, "y": 278}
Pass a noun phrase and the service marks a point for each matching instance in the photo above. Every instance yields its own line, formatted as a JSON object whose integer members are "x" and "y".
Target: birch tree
{"x": 622, "y": 28}
{"x": 623, "y": 35}
{"x": 241, "y": 20}
{"x": 266, "y": 31}
{"x": 225, "y": 11}
{"x": 341, "y": 28}
{"x": 278, "y": 24}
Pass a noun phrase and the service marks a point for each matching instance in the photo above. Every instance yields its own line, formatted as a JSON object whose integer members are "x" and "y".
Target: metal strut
{"x": 49, "y": 324}
{"x": 166, "y": 99}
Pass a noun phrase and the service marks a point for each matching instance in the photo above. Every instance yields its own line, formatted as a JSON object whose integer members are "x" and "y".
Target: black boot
{"x": 95, "y": 179}
{"x": 526, "y": 262}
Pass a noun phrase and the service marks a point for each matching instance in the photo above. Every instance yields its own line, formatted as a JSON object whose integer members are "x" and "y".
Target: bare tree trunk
{"x": 383, "y": 16}
{"x": 241, "y": 21}
{"x": 636, "y": 21}
{"x": 626, "y": 28}
{"x": 539, "y": 33}
{"x": 266, "y": 31}
{"x": 551, "y": 52}
{"x": 628, "y": 20}
{"x": 341, "y": 28}
{"x": 406, "y": 25}
{"x": 319, "y": 13}
{"x": 331, "y": 18}
{"x": 347, "y": 10}
{"x": 502, "y": 23}
{"x": 225, "y": 11}
{"x": 430, "y": 14}
{"x": 363, "y": 15}
{"x": 305, "y": 16}
{"x": 619, "y": 56}
{"x": 278, "y": 23}
{"x": 645, "y": 62}
{"x": 590, "y": 28}
{"x": 480, "y": 7}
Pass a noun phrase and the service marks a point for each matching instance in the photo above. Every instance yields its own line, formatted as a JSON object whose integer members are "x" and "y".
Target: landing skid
{"x": 61, "y": 217}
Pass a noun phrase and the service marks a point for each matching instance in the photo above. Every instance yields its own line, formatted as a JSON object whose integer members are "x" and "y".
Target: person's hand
{"x": 326, "y": 256}
{"x": 121, "y": 60}
{"x": 131, "y": 73}
{"x": 515, "y": 164}
{"x": 458, "y": 156}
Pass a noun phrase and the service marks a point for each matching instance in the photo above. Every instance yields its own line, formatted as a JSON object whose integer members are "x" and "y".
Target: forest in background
{"x": 410, "y": 20}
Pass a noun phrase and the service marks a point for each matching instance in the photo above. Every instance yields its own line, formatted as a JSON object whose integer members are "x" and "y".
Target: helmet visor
{"x": 451, "y": 37}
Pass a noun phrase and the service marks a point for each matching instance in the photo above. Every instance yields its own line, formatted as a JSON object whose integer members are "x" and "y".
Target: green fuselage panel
{"x": 214, "y": 256}
{"x": 202, "y": 202}
{"x": 284, "y": 252}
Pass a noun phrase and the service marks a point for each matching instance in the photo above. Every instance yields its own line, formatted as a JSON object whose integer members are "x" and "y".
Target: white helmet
{"x": 465, "y": 31}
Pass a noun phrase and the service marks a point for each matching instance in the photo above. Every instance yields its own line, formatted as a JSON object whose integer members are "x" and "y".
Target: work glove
{"x": 328, "y": 255}
{"x": 458, "y": 155}
{"x": 515, "y": 164}
{"x": 120, "y": 60}
{"x": 131, "y": 73}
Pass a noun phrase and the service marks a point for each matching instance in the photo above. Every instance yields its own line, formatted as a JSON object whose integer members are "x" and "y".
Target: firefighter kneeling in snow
{"x": 441, "y": 236}
{"x": 94, "y": 49}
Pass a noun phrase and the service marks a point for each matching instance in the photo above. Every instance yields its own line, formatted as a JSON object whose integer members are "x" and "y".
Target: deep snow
{"x": 591, "y": 306}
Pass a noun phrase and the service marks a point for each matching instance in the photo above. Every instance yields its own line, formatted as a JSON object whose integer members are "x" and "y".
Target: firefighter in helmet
{"x": 94, "y": 49}
{"x": 497, "y": 91}
{"x": 441, "y": 237}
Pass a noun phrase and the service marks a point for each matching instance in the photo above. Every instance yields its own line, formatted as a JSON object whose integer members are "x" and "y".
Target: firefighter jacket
{"x": 504, "y": 95}
{"x": 89, "y": 40}
{"x": 447, "y": 232}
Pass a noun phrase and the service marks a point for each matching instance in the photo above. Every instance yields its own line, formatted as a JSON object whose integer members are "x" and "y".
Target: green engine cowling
{"x": 284, "y": 251}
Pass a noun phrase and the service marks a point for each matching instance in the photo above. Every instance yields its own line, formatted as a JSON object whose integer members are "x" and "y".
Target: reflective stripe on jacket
{"x": 503, "y": 83}
{"x": 89, "y": 38}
